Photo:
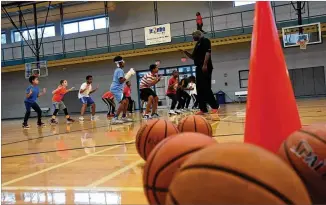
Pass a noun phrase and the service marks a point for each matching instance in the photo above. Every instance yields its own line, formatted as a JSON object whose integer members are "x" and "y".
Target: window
{"x": 100, "y": 23}
{"x": 3, "y": 38}
{"x": 243, "y": 78}
{"x": 242, "y": 3}
{"x": 49, "y": 31}
{"x": 71, "y": 28}
{"x": 85, "y": 25}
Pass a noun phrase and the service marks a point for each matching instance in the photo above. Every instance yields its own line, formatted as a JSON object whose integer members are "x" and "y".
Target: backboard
{"x": 293, "y": 35}
{"x": 39, "y": 68}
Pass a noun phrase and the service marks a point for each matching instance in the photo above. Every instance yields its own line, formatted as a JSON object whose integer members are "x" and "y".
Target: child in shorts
{"x": 83, "y": 95}
{"x": 108, "y": 99}
{"x": 58, "y": 104}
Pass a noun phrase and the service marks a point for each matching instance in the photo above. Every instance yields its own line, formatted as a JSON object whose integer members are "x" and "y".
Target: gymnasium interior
{"x": 266, "y": 145}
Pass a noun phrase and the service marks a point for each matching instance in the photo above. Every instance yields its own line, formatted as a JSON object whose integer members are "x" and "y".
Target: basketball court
{"x": 98, "y": 163}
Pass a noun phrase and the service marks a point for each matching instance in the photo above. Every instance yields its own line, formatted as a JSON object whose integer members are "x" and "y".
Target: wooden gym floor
{"x": 93, "y": 163}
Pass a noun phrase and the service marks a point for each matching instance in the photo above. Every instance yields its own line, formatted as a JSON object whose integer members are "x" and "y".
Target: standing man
{"x": 204, "y": 68}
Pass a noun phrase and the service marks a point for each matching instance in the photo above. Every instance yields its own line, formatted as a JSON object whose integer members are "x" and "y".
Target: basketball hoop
{"x": 183, "y": 59}
{"x": 303, "y": 41}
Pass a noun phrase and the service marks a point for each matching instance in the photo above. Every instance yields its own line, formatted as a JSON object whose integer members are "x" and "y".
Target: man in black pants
{"x": 204, "y": 67}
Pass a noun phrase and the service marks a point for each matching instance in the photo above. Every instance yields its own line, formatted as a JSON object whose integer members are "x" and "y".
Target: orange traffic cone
{"x": 272, "y": 113}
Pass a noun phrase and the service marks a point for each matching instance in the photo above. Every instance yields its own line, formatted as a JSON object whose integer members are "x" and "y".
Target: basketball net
{"x": 303, "y": 44}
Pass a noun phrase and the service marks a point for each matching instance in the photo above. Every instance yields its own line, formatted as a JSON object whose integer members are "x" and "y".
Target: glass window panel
{"x": 3, "y": 38}
{"x": 100, "y": 23}
{"x": 49, "y": 31}
{"x": 17, "y": 37}
{"x": 242, "y": 3}
{"x": 244, "y": 74}
{"x": 31, "y": 34}
{"x": 70, "y": 28}
{"x": 86, "y": 25}
{"x": 244, "y": 83}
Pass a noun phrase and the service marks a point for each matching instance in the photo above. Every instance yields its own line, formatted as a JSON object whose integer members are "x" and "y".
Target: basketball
{"x": 236, "y": 173}
{"x": 166, "y": 158}
{"x": 305, "y": 152}
{"x": 151, "y": 133}
{"x": 195, "y": 123}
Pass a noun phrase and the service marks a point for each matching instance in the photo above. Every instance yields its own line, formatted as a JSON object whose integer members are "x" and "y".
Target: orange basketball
{"x": 305, "y": 151}
{"x": 195, "y": 123}
{"x": 165, "y": 160}
{"x": 232, "y": 173}
{"x": 151, "y": 133}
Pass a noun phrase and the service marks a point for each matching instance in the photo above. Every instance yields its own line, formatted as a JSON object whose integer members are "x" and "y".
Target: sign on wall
{"x": 157, "y": 34}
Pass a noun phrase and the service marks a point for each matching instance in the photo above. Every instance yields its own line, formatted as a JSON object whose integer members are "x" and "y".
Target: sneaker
{"x": 53, "y": 121}
{"x": 109, "y": 115}
{"x": 155, "y": 115}
{"x": 25, "y": 126}
{"x": 171, "y": 112}
{"x": 116, "y": 121}
{"x": 126, "y": 119}
{"x": 69, "y": 120}
{"x": 81, "y": 119}
{"x": 214, "y": 111}
{"x": 93, "y": 118}
{"x": 147, "y": 117}
{"x": 178, "y": 111}
{"x": 41, "y": 124}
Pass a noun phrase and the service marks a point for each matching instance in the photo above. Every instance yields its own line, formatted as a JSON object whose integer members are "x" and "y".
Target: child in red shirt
{"x": 199, "y": 21}
{"x": 108, "y": 99}
{"x": 127, "y": 95}
{"x": 57, "y": 102}
{"x": 172, "y": 92}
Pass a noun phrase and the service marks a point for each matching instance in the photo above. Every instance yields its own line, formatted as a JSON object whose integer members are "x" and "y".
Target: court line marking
{"x": 116, "y": 155}
{"x": 32, "y": 188}
{"x": 59, "y": 165}
{"x": 116, "y": 173}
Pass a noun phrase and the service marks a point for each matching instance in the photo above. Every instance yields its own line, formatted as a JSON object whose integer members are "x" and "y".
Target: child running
{"x": 108, "y": 99}
{"x": 147, "y": 94}
{"x": 58, "y": 104}
{"x": 119, "y": 78}
{"x": 32, "y": 93}
{"x": 83, "y": 95}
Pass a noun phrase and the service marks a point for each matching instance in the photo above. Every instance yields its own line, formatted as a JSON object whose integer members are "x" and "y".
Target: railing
{"x": 217, "y": 26}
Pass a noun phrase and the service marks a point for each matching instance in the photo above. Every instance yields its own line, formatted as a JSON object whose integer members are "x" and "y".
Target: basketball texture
{"x": 305, "y": 151}
{"x": 195, "y": 123}
{"x": 236, "y": 174}
{"x": 151, "y": 133}
{"x": 165, "y": 160}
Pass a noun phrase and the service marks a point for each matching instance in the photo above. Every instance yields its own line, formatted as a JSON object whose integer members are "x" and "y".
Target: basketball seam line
{"x": 209, "y": 128}
{"x": 174, "y": 200}
{"x": 142, "y": 129}
{"x": 150, "y": 165}
{"x": 243, "y": 176}
{"x": 182, "y": 124}
{"x": 195, "y": 124}
{"x": 312, "y": 135}
{"x": 168, "y": 163}
{"x": 150, "y": 129}
{"x": 159, "y": 189}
